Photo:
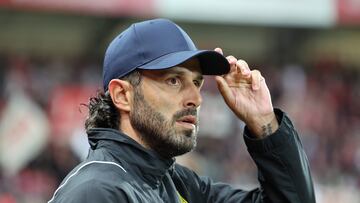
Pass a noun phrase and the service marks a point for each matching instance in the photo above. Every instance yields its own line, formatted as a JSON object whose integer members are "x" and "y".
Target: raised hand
{"x": 248, "y": 96}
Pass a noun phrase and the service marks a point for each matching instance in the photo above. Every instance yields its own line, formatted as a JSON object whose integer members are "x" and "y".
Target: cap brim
{"x": 211, "y": 62}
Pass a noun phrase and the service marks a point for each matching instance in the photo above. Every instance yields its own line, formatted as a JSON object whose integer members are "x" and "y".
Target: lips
{"x": 188, "y": 119}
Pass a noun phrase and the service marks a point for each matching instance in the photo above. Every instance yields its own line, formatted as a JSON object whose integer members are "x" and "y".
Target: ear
{"x": 120, "y": 92}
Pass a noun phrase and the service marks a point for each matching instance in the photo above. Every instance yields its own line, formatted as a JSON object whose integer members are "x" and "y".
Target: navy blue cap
{"x": 153, "y": 45}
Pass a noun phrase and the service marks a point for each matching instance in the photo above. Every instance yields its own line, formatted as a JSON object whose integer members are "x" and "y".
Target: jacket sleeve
{"x": 283, "y": 172}
{"x": 283, "y": 168}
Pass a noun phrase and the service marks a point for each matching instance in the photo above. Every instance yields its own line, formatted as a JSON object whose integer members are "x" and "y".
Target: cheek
{"x": 167, "y": 106}
{"x": 163, "y": 101}
{"x": 167, "y": 109}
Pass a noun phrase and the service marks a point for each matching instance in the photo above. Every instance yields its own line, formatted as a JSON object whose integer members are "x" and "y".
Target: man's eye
{"x": 197, "y": 83}
{"x": 173, "y": 81}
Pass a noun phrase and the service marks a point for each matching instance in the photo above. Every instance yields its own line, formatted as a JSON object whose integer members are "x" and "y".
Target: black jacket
{"x": 120, "y": 170}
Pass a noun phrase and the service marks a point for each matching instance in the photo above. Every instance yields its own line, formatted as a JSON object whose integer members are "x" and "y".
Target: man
{"x": 148, "y": 114}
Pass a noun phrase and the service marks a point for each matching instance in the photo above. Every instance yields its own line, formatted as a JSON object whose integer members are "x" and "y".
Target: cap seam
{"x": 140, "y": 40}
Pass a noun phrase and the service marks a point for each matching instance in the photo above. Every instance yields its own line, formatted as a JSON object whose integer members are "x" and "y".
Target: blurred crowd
{"x": 321, "y": 97}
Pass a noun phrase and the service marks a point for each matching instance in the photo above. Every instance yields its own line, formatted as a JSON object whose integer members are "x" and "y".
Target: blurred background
{"x": 51, "y": 56}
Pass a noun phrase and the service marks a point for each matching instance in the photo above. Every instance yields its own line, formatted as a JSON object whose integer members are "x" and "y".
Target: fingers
{"x": 244, "y": 68}
{"x": 256, "y": 79}
{"x": 239, "y": 66}
{"x": 242, "y": 73}
{"x": 232, "y": 61}
{"x": 219, "y": 50}
{"x": 244, "y": 77}
{"x": 223, "y": 88}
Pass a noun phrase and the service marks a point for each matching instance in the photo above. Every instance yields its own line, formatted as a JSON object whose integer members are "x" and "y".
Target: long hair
{"x": 102, "y": 111}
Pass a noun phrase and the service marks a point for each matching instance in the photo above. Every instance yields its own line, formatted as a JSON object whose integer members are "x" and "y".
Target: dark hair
{"x": 102, "y": 111}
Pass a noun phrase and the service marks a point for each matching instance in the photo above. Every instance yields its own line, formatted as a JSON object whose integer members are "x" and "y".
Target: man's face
{"x": 166, "y": 106}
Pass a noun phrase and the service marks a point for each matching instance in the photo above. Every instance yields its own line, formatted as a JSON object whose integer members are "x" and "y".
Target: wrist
{"x": 264, "y": 126}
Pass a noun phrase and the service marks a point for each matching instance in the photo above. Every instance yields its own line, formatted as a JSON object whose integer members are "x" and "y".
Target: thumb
{"x": 224, "y": 89}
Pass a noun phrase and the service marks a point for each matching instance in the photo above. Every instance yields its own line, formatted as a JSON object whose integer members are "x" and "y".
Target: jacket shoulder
{"x": 101, "y": 171}
{"x": 93, "y": 181}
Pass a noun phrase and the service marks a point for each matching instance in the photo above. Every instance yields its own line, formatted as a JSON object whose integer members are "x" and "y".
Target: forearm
{"x": 283, "y": 166}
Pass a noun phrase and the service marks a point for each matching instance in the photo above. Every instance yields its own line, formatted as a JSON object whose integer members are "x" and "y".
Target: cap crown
{"x": 142, "y": 43}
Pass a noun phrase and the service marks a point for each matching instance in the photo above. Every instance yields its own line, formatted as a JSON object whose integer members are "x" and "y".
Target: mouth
{"x": 187, "y": 121}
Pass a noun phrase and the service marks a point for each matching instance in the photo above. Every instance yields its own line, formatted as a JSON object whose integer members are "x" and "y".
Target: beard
{"x": 159, "y": 133}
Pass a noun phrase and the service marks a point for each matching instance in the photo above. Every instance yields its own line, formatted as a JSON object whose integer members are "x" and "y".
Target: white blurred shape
{"x": 264, "y": 12}
{"x": 79, "y": 143}
{"x": 24, "y": 130}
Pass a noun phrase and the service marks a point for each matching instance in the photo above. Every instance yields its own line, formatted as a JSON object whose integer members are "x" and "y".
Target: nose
{"x": 192, "y": 97}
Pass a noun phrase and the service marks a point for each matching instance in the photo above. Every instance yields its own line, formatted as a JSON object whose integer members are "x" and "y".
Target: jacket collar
{"x": 122, "y": 147}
